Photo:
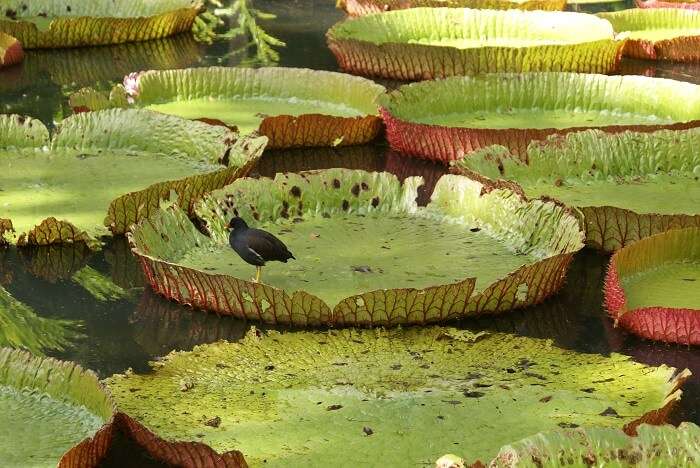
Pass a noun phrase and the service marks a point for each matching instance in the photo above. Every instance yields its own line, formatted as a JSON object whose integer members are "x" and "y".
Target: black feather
{"x": 256, "y": 246}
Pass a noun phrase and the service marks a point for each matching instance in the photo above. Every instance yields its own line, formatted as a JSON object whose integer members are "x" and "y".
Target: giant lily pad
{"x": 49, "y": 406}
{"x": 596, "y": 446}
{"x": 446, "y": 119}
{"x": 367, "y": 254}
{"x": 292, "y": 107}
{"x": 46, "y": 407}
{"x": 425, "y": 43}
{"x": 653, "y": 286}
{"x": 65, "y": 23}
{"x": 115, "y": 163}
{"x": 624, "y": 186}
{"x": 659, "y": 33}
{"x": 11, "y": 51}
{"x": 368, "y": 7}
{"x": 352, "y": 397}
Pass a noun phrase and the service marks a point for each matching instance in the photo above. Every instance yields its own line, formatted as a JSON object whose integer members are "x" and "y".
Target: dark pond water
{"x": 130, "y": 331}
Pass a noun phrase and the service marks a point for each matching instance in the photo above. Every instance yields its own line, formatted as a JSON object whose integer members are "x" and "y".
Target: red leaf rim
{"x": 669, "y": 324}
{"x": 445, "y": 144}
{"x": 662, "y": 4}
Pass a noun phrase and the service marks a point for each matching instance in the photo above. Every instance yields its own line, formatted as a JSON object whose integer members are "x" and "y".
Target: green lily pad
{"x": 65, "y": 23}
{"x": 652, "y": 446}
{"x": 104, "y": 171}
{"x": 292, "y": 107}
{"x": 368, "y": 7}
{"x": 349, "y": 398}
{"x": 21, "y": 327}
{"x": 651, "y": 287}
{"x": 361, "y": 244}
{"x": 446, "y": 119}
{"x": 426, "y": 43}
{"x": 658, "y": 33}
{"x": 46, "y": 407}
{"x": 625, "y": 186}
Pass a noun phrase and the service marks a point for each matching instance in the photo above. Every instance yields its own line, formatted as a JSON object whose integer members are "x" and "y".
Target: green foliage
{"x": 211, "y": 26}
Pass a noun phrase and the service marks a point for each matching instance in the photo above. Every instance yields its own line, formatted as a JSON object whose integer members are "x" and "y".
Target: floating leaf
{"x": 313, "y": 398}
{"x": 595, "y": 446}
{"x": 625, "y": 186}
{"x": 653, "y": 287}
{"x": 368, "y": 7}
{"x": 447, "y": 119}
{"x": 426, "y": 43}
{"x": 60, "y": 191}
{"x": 64, "y": 23}
{"x": 292, "y": 107}
{"x": 11, "y": 51}
{"x": 658, "y": 33}
{"x": 485, "y": 244}
{"x": 46, "y": 407}
{"x": 99, "y": 286}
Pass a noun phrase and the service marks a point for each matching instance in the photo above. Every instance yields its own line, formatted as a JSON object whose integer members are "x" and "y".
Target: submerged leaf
{"x": 273, "y": 392}
{"x": 99, "y": 286}
{"x": 21, "y": 327}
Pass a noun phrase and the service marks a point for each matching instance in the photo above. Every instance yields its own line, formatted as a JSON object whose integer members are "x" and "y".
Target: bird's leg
{"x": 258, "y": 270}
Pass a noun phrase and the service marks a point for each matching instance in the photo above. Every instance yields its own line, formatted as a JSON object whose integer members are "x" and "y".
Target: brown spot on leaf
{"x": 336, "y": 183}
{"x": 367, "y": 430}
{"x": 213, "y": 422}
{"x": 609, "y": 411}
{"x": 346, "y": 205}
{"x": 333, "y": 407}
{"x": 375, "y": 202}
{"x": 546, "y": 399}
{"x": 355, "y": 190}
{"x": 295, "y": 191}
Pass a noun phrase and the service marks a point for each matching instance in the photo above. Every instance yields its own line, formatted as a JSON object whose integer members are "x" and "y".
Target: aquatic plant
{"x": 362, "y": 244}
{"x": 21, "y": 327}
{"x": 658, "y": 33}
{"x": 448, "y": 119}
{"x": 652, "y": 289}
{"x": 689, "y": 4}
{"x": 11, "y": 51}
{"x": 651, "y": 446}
{"x": 292, "y": 107}
{"x": 368, "y": 7}
{"x": 65, "y": 23}
{"x": 77, "y": 191}
{"x": 279, "y": 397}
{"x": 426, "y": 43}
{"x": 207, "y": 28}
{"x": 623, "y": 186}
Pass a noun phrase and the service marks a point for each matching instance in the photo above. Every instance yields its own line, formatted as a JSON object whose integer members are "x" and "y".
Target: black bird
{"x": 256, "y": 246}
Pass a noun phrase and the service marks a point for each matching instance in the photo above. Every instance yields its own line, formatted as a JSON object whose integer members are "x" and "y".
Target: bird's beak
{"x": 228, "y": 226}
